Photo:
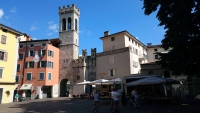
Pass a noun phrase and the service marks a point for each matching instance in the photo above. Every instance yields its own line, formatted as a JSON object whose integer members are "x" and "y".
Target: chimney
{"x": 28, "y": 38}
{"x": 106, "y": 33}
{"x": 148, "y": 44}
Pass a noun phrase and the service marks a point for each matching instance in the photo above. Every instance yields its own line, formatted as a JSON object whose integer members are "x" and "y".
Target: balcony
{"x": 142, "y": 56}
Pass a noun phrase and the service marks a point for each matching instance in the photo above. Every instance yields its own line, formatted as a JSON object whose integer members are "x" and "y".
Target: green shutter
{"x": 33, "y": 64}
{"x": 26, "y": 64}
{"x": 45, "y": 63}
{"x": 39, "y": 64}
{"x": 52, "y": 53}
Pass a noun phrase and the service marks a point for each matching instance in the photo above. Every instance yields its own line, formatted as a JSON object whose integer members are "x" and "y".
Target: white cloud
{"x": 13, "y": 10}
{"x": 33, "y": 27}
{"x": 53, "y": 27}
{"x": 1, "y": 13}
{"x": 51, "y": 22}
{"x": 34, "y": 38}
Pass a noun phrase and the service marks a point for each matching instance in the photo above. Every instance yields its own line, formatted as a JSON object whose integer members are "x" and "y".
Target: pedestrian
{"x": 16, "y": 97}
{"x": 96, "y": 99}
{"x": 24, "y": 96}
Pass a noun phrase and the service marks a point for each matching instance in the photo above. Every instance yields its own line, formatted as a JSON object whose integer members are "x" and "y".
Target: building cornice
{"x": 113, "y": 52}
{"x": 3, "y": 27}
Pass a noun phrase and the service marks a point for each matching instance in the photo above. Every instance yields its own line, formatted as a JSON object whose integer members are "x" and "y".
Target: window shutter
{"x": 108, "y": 72}
{"x": 33, "y": 53}
{"x": 48, "y": 52}
{"x": 1, "y": 72}
{"x": 22, "y": 55}
{"x": 3, "y": 39}
{"x": 27, "y": 53}
{"x": 52, "y": 53}
{"x": 113, "y": 72}
{"x": 33, "y": 64}
{"x": 45, "y": 63}
{"x": 39, "y": 52}
{"x": 5, "y": 56}
{"x": 39, "y": 64}
{"x": 48, "y": 65}
{"x": 26, "y": 64}
{"x": 52, "y": 64}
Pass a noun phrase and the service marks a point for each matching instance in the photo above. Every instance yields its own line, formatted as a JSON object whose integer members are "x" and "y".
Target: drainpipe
{"x": 24, "y": 64}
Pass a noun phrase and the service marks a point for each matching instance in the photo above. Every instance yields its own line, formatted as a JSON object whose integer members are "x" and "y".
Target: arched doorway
{"x": 64, "y": 88}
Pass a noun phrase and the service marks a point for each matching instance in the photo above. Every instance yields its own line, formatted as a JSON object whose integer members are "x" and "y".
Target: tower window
{"x": 63, "y": 24}
{"x": 113, "y": 38}
{"x": 76, "y": 25}
{"x": 69, "y": 23}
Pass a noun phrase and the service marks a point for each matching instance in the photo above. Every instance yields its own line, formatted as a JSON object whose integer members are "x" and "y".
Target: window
{"x": 132, "y": 41}
{"x": 42, "y": 63}
{"x": 111, "y": 72}
{"x": 1, "y": 72}
{"x": 136, "y": 51}
{"x": 50, "y": 64}
{"x": 41, "y": 76}
{"x": 32, "y": 45}
{"x": 155, "y": 50}
{"x": 29, "y": 64}
{"x": 63, "y": 24}
{"x": 151, "y": 72}
{"x": 156, "y": 56}
{"x": 3, "y": 39}
{"x": 20, "y": 56}
{"x": 21, "y": 46}
{"x": 78, "y": 77}
{"x": 42, "y": 52}
{"x": 17, "y": 79}
{"x": 129, "y": 39}
{"x": 113, "y": 39}
{"x": 3, "y": 55}
{"x": 69, "y": 23}
{"x": 28, "y": 76}
{"x": 18, "y": 67}
{"x": 49, "y": 76}
{"x": 50, "y": 53}
{"x": 111, "y": 59}
{"x": 76, "y": 25}
{"x": 43, "y": 45}
{"x": 133, "y": 50}
{"x": 30, "y": 53}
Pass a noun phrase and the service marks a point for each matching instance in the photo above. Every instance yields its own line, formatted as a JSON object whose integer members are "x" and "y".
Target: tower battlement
{"x": 69, "y": 9}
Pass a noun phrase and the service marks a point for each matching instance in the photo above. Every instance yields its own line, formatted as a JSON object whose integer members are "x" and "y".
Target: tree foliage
{"x": 181, "y": 20}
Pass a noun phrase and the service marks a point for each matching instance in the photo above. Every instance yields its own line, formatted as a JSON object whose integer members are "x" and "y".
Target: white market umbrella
{"x": 84, "y": 83}
{"x": 100, "y": 81}
{"x": 115, "y": 80}
{"x": 147, "y": 81}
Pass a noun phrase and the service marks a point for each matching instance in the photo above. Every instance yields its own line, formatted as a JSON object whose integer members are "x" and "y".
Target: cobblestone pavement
{"x": 69, "y": 105}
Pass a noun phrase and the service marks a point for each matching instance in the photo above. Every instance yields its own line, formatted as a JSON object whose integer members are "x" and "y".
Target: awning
{"x": 26, "y": 87}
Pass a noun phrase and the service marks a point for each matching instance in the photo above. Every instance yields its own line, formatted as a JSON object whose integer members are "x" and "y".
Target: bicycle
{"x": 95, "y": 108}
{"x": 116, "y": 108}
{"x": 136, "y": 104}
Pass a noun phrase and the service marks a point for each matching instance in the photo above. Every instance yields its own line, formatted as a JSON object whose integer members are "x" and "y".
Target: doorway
{"x": 64, "y": 88}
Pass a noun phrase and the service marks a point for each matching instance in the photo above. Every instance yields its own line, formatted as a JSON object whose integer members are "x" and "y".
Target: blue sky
{"x": 39, "y": 19}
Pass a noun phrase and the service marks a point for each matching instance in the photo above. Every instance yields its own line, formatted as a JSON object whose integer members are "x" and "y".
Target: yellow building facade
{"x": 9, "y": 42}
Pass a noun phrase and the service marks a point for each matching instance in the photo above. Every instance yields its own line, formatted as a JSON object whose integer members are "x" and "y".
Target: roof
{"x": 123, "y": 32}
{"x": 41, "y": 40}
{"x": 152, "y": 46}
{"x": 149, "y": 63}
{"x": 11, "y": 29}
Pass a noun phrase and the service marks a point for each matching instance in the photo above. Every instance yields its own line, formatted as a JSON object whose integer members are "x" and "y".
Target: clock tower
{"x": 69, "y": 37}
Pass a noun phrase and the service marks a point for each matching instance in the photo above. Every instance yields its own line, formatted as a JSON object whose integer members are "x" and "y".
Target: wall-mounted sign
{"x": 102, "y": 74}
{"x": 36, "y": 58}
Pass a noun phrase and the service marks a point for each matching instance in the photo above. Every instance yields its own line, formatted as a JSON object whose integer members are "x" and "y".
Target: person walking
{"x": 23, "y": 96}
{"x": 16, "y": 97}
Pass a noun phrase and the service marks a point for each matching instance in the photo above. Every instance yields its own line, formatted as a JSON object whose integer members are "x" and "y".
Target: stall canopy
{"x": 26, "y": 87}
{"x": 84, "y": 83}
{"x": 152, "y": 80}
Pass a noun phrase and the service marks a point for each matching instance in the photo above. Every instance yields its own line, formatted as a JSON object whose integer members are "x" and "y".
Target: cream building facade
{"x": 8, "y": 62}
{"x": 122, "y": 55}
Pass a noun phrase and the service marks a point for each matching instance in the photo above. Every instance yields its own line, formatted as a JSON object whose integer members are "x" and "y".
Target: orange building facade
{"x": 38, "y": 68}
